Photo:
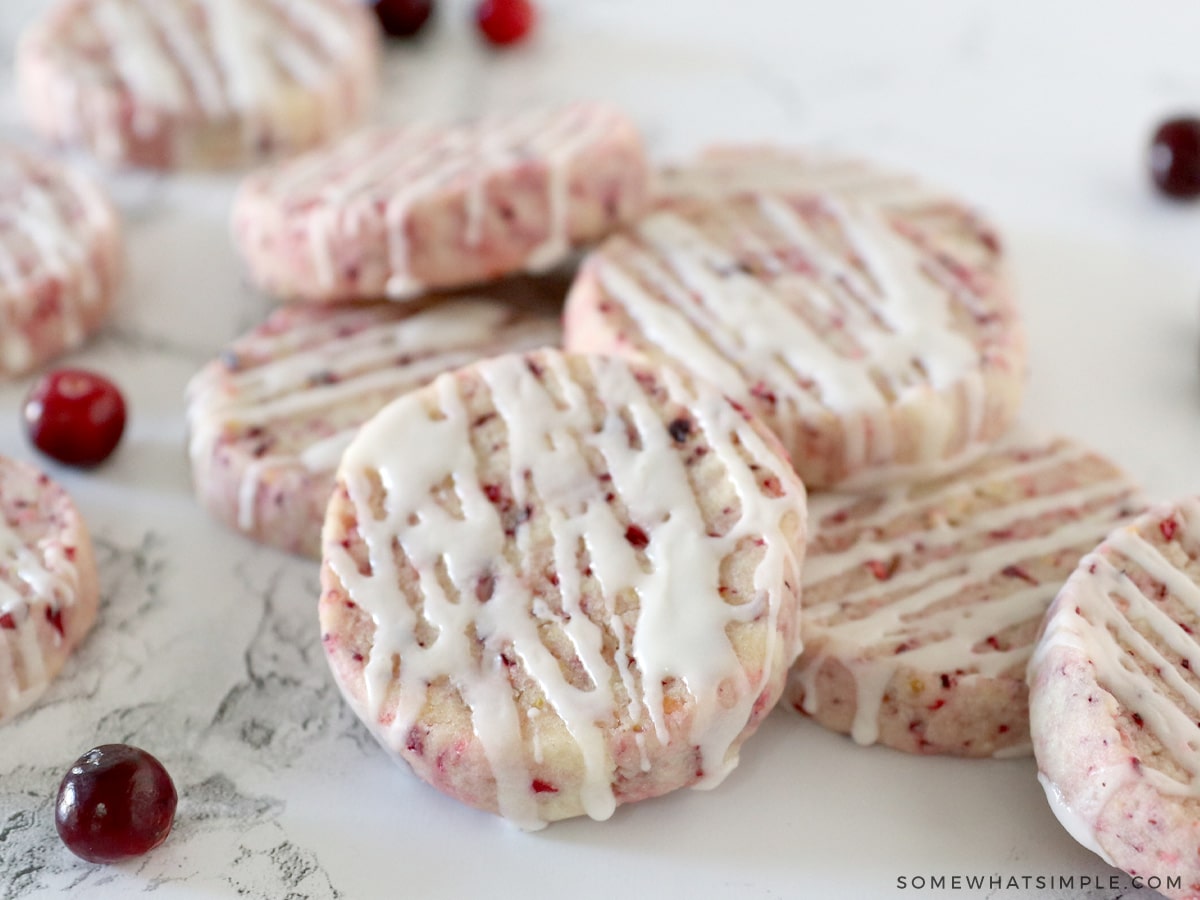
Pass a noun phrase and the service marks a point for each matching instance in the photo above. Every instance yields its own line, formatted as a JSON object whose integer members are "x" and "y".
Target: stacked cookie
{"x": 163, "y": 84}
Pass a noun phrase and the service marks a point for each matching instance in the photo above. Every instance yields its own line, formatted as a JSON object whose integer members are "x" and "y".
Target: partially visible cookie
{"x": 61, "y": 260}
{"x": 49, "y": 591}
{"x": 922, "y": 602}
{"x": 873, "y": 355}
{"x": 727, "y": 170}
{"x": 270, "y": 417}
{"x": 394, "y": 212}
{"x": 553, "y": 584}
{"x": 197, "y": 83}
{"x": 1115, "y": 699}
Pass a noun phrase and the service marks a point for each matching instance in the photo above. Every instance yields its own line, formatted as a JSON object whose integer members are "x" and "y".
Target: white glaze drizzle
{"x": 385, "y": 354}
{"x": 727, "y": 171}
{"x": 851, "y": 626}
{"x": 40, "y": 576}
{"x": 398, "y": 169}
{"x": 52, "y": 223}
{"x": 1095, "y": 625}
{"x": 218, "y": 57}
{"x": 680, "y": 627}
{"x": 693, "y": 305}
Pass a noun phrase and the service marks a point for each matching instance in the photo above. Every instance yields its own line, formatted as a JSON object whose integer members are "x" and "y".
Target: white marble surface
{"x": 207, "y": 652}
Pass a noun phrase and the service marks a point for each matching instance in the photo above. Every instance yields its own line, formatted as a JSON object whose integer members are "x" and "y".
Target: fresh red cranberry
{"x": 115, "y": 802}
{"x": 402, "y": 18}
{"x": 75, "y": 416}
{"x": 505, "y": 22}
{"x": 1175, "y": 158}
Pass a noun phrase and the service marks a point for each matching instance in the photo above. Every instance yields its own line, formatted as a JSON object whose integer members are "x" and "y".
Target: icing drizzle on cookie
{"x": 374, "y": 180}
{"x": 40, "y": 581}
{"x": 806, "y": 307}
{"x": 296, "y": 390}
{"x": 1131, "y": 609}
{"x": 219, "y": 59}
{"x": 935, "y": 577}
{"x": 51, "y": 229}
{"x": 567, "y": 464}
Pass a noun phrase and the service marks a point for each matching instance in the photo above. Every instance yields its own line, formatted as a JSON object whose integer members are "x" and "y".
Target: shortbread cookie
{"x": 204, "y": 83}
{"x": 399, "y": 211}
{"x": 1115, "y": 699}
{"x": 731, "y": 169}
{"x": 270, "y": 418}
{"x": 555, "y": 583}
{"x": 49, "y": 592}
{"x": 839, "y": 324}
{"x": 61, "y": 258}
{"x": 921, "y": 602}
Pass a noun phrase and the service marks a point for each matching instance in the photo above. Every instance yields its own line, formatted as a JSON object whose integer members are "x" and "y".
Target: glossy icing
{"x": 680, "y": 627}
{"x": 298, "y": 374}
{"x": 950, "y": 552}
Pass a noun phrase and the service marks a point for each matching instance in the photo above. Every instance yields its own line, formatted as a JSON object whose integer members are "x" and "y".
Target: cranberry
{"x": 505, "y": 22}
{"x": 115, "y": 802}
{"x": 402, "y": 18}
{"x": 75, "y": 416}
{"x": 1175, "y": 158}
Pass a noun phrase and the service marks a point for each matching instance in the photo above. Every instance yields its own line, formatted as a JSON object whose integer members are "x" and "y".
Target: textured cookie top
{"x": 52, "y": 225}
{"x": 212, "y": 59}
{"x": 567, "y": 538}
{"x": 294, "y": 391}
{"x": 952, "y": 577}
{"x": 40, "y": 534}
{"x": 809, "y": 310}
{"x": 1129, "y": 617}
{"x": 384, "y": 173}
{"x": 730, "y": 169}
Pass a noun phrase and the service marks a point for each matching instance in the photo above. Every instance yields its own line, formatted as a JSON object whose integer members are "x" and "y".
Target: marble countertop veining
{"x": 207, "y": 650}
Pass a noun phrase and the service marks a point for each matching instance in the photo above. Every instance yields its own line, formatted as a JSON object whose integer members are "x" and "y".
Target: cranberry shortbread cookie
{"x": 922, "y": 602}
{"x": 557, "y": 583}
{"x": 395, "y": 212}
{"x": 840, "y": 324}
{"x": 1115, "y": 699}
{"x": 49, "y": 591}
{"x": 270, "y": 417}
{"x": 727, "y": 170}
{"x": 197, "y": 83}
{"x": 61, "y": 260}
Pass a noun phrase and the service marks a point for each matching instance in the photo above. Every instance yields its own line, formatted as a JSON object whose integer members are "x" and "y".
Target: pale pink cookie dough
{"x": 872, "y": 355}
{"x": 49, "y": 592}
{"x": 270, "y": 418}
{"x": 921, "y": 602}
{"x": 1115, "y": 700}
{"x": 61, "y": 260}
{"x": 197, "y": 83}
{"x": 729, "y": 169}
{"x": 553, "y": 584}
{"x": 395, "y": 212}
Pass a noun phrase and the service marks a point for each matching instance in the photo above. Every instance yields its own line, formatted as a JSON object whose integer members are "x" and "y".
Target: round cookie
{"x": 553, "y": 584}
{"x": 197, "y": 83}
{"x": 49, "y": 591}
{"x": 400, "y": 211}
{"x": 727, "y": 170}
{"x": 61, "y": 260}
{"x": 921, "y": 602}
{"x": 270, "y": 418}
{"x": 841, "y": 325}
{"x": 1115, "y": 699}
